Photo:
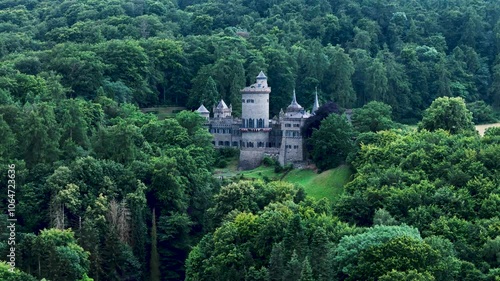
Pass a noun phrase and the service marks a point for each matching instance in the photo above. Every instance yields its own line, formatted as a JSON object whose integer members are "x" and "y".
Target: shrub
{"x": 221, "y": 163}
{"x": 268, "y": 161}
{"x": 481, "y": 112}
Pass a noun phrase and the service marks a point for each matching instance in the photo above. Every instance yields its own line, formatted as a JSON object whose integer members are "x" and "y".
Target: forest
{"x": 106, "y": 192}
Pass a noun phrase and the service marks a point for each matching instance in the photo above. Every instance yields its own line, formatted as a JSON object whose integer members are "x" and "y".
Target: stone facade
{"x": 255, "y": 134}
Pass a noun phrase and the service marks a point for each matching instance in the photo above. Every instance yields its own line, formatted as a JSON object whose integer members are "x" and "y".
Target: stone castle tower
{"x": 292, "y": 143}
{"x": 255, "y": 122}
{"x": 255, "y": 135}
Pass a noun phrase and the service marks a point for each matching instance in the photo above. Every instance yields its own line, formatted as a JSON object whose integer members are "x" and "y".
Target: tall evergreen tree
{"x": 306, "y": 273}
{"x": 154, "y": 262}
{"x": 277, "y": 263}
{"x": 293, "y": 268}
{"x": 319, "y": 253}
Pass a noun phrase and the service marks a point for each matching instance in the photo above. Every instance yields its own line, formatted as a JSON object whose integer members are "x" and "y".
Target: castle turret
{"x": 255, "y": 122}
{"x": 291, "y": 150}
{"x": 203, "y": 111}
{"x": 222, "y": 110}
{"x": 294, "y": 105}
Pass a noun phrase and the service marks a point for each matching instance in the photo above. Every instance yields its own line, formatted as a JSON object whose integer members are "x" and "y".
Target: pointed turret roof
{"x": 222, "y": 105}
{"x": 202, "y": 109}
{"x": 261, "y": 75}
{"x": 316, "y": 103}
{"x": 294, "y": 105}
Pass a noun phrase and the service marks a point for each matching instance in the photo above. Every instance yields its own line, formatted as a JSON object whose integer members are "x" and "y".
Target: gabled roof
{"x": 261, "y": 75}
{"x": 202, "y": 109}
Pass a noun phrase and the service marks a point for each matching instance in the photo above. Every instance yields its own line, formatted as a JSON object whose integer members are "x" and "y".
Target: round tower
{"x": 255, "y": 104}
{"x": 255, "y": 122}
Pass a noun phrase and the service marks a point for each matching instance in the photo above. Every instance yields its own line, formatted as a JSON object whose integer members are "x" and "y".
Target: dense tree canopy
{"x": 402, "y": 53}
{"x": 105, "y": 192}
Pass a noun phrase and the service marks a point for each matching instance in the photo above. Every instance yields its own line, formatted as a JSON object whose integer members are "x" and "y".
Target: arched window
{"x": 260, "y": 123}
{"x": 251, "y": 123}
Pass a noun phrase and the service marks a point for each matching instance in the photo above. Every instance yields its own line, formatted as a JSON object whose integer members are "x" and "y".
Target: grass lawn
{"x": 329, "y": 184}
{"x": 261, "y": 172}
{"x": 230, "y": 171}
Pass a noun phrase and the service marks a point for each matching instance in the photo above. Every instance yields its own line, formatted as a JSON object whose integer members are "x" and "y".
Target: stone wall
{"x": 251, "y": 157}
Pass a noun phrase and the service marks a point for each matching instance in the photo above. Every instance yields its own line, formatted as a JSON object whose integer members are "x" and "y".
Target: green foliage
{"x": 332, "y": 142}
{"x": 16, "y": 275}
{"x": 449, "y": 114}
{"x": 401, "y": 254}
{"x": 348, "y": 251}
{"x": 64, "y": 259}
{"x": 73, "y": 74}
{"x": 411, "y": 275}
{"x": 154, "y": 262}
{"x": 481, "y": 112}
{"x": 372, "y": 117}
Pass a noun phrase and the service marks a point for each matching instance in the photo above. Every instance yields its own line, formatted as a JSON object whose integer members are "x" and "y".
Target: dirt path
{"x": 482, "y": 128}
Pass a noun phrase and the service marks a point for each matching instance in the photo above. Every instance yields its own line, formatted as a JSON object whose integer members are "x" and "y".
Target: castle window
{"x": 249, "y": 144}
{"x": 242, "y": 144}
{"x": 213, "y": 142}
{"x": 288, "y": 125}
{"x": 296, "y": 125}
{"x": 243, "y": 125}
{"x": 260, "y": 123}
{"x": 260, "y": 144}
{"x": 243, "y": 101}
{"x": 296, "y": 147}
{"x": 235, "y": 143}
{"x": 221, "y": 143}
{"x": 251, "y": 123}
{"x": 226, "y": 143}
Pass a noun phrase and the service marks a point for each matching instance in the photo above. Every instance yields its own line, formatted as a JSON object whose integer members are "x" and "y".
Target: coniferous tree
{"x": 277, "y": 263}
{"x": 306, "y": 273}
{"x": 319, "y": 253}
{"x": 295, "y": 239}
{"x": 293, "y": 268}
{"x": 154, "y": 262}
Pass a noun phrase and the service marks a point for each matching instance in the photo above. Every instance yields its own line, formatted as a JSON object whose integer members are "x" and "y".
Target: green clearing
{"x": 261, "y": 172}
{"x": 328, "y": 184}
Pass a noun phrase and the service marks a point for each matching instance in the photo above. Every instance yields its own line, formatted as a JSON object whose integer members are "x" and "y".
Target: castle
{"x": 254, "y": 133}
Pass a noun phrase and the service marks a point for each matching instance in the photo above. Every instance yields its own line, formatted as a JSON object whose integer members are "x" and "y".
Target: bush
{"x": 278, "y": 168}
{"x": 221, "y": 163}
{"x": 481, "y": 112}
{"x": 228, "y": 152}
{"x": 268, "y": 161}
